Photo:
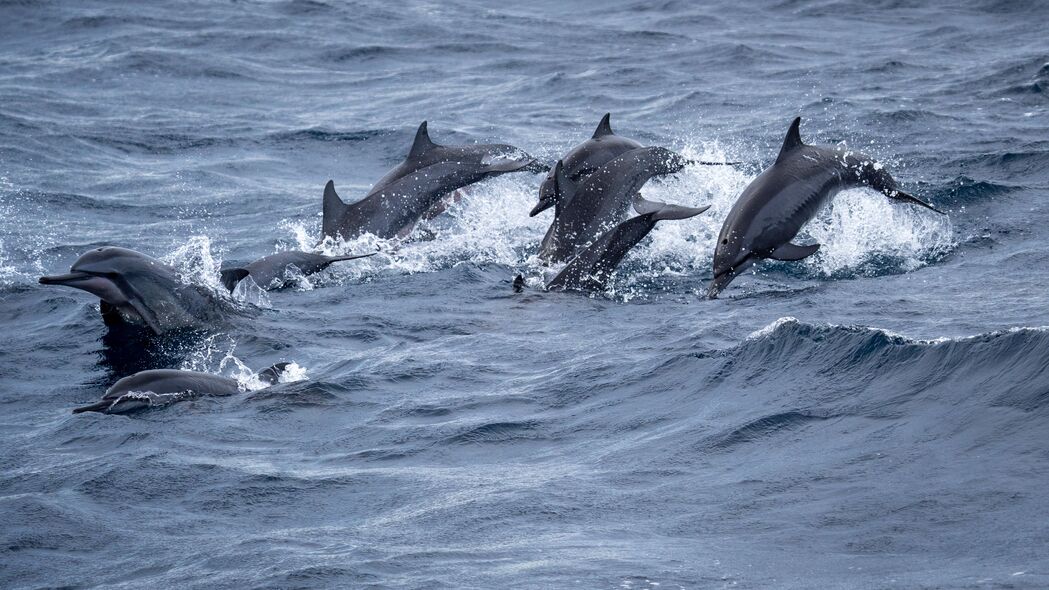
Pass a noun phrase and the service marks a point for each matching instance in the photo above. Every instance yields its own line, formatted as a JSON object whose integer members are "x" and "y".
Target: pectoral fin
{"x": 790, "y": 252}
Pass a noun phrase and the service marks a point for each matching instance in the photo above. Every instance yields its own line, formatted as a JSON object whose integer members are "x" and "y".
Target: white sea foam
{"x": 216, "y": 355}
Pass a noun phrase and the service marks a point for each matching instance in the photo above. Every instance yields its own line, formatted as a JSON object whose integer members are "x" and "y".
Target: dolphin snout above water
{"x": 139, "y": 289}
{"x": 772, "y": 210}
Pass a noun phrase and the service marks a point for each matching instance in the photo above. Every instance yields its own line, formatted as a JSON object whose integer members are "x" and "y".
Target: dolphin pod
{"x": 591, "y": 190}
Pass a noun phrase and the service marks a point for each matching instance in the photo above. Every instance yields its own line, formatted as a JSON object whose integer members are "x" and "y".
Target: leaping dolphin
{"x": 417, "y": 185}
{"x": 139, "y": 289}
{"x": 772, "y": 209}
{"x": 271, "y": 272}
{"x": 160, "y": 387}
{"x": 591, "y": 268}
{"x": 583, "y": 160}
{"x": 587, "y": 157}
{"x": 582, "y": 212}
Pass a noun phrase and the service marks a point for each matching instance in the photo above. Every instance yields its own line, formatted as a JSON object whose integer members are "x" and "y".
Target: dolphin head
{"x": 555, "y": 188}
{"x": 99, "y": 272}
{"x": 731, "y": 257}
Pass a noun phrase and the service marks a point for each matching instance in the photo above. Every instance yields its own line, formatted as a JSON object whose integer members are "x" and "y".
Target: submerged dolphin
{"x": 772, "y": 209}
{"x": 160, "y": 387}
{"x": 417, "y": 185}
{"x": 139, "y": 289}
{"x": 583, "y": 160}
{"x": 582, "y": 212}
{"x": 271, "y": 272}
{"x": 591, "y": 268}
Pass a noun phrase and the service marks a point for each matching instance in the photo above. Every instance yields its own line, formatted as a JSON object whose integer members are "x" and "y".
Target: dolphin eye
{"x": 725, "y": 241}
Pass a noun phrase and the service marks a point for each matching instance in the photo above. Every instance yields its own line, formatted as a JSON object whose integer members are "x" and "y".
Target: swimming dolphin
{"x": 270, "y": 272}
{"x": 773, "y": 208}
{"x": 582, "y": 212}
{"x": 583, "y": 160}
{"x": 591, "y": 268}
{"x": 417, "y": 185}
{"x": 587, "y": 157}
{"x": 139, "y": 289}
{"x": 160, "y": 387}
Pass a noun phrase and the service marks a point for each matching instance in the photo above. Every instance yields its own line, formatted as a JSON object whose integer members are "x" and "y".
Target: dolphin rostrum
{"x": 417, "y": 185}
{"x": 592, "y": 267}
{"x": 139, "y": 289}
{"x": 772, "y": 209}
{"x": 271, "y": 272}
{"x": 582, "y": 212}
{"x": 160, "y": 387}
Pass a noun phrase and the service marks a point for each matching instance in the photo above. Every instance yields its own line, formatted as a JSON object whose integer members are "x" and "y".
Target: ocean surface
{"x": 876, "y": 416}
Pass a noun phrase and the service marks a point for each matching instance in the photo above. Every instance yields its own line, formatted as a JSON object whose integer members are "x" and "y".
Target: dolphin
{"x": 591, "y": 268}
{"x": 417, "y": 185}
{"x": 582, "y": 212}
{"x": 583, "y": 160}
{"x": 140, "y": 290}
{"x": 270, "y": 272}
{"x": 773, "y": 208}
{"x": 159, "y": 387}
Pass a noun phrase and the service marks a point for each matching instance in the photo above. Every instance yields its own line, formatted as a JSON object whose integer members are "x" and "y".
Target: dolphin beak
{"x": 66, "y": 279}
{"x": 541, "y": 206}
{"x": 902, "y": 196}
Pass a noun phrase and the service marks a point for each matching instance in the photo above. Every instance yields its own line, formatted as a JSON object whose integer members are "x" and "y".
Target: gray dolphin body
{"x": 582, "y": 212}
{"x": 592, "y": 267}
{"x": 271, "y": 272}
{"x": 160, "y": 387}
{"x": 141, "y": 290}
{"x": 583, "y": 160}
{"x": 772, "y": 209}
{"x": 416, "y": 186}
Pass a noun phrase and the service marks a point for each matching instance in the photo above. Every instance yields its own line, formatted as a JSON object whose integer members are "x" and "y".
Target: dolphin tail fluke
{"x": 711, "y": 163}
{"x": 902, "y": 196}
{"x": 101, "y": 406}
{"x": 333, "y": 210}
{"x": 349, "y": 257}
{"x": 661, "y": 211}
{"x": 272, "y": 373}
{"x": 791, "y": 252}
{"x": 231, "y": 276}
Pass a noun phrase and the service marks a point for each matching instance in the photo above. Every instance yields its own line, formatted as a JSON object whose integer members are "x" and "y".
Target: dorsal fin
{"x": 792, "y": 141}
{"x": 422, "y": 143}
{"x": 332, "y": 211}
{"x": 604, "y": 127}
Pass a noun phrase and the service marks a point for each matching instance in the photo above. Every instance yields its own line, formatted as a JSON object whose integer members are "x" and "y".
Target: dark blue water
{"x": 874, "y": 417}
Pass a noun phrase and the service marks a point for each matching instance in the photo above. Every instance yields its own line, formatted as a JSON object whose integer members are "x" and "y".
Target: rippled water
{"x": 873, "y": 417}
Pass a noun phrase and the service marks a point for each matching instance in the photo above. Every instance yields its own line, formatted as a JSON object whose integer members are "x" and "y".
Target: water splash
{"x": 216, "y": 355}
{"x": 196, "y": 264}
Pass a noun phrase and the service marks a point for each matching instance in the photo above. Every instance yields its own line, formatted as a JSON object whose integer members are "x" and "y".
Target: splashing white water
{"x": 216, "y": 355}
{"x": 196, "y": 264}
{"x": 861, "y": 224}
